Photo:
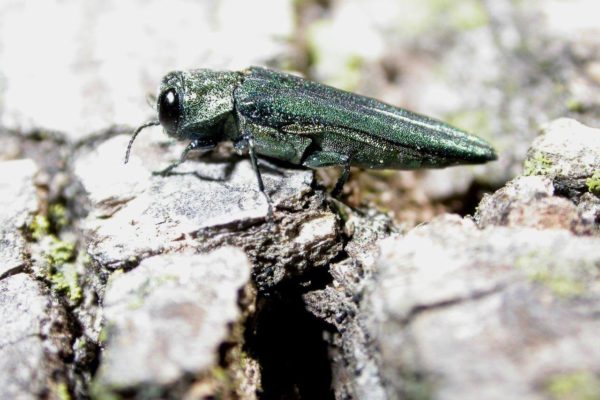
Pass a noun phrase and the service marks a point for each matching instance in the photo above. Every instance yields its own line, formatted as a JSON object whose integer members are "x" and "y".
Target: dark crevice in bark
{"x": 422, "y": 308}
{"x": 289, "y": 343}
{"x": 466, "y": 203}
{"x": 13, "y": 271}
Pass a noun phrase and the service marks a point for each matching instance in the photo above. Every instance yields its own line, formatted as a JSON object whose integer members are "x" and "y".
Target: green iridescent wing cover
{"x": 373, "y": 134}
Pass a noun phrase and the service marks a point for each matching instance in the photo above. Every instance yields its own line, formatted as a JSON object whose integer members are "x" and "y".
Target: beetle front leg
{"x": 193, "y": 145}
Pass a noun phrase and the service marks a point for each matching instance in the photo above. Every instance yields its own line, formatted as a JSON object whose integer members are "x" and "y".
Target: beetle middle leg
{"x": 319, "y": 159}
{"x": 193, "y": 145}
{"x": 247, "y": 140}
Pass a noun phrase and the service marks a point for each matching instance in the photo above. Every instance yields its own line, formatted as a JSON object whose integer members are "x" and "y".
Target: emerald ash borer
{"x": 287, "y": 118}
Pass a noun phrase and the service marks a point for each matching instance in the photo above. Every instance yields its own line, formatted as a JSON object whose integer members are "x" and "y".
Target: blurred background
{"x": 496, "y": 68}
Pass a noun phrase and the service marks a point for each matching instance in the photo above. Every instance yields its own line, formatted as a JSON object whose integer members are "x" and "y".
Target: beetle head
{"x": 193, "y": 104}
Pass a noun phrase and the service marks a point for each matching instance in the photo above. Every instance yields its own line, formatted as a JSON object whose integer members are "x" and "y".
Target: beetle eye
{"x": 168, "y": 110}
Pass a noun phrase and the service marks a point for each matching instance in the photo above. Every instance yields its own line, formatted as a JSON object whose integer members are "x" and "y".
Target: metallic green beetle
{"x": 291, "y": 119}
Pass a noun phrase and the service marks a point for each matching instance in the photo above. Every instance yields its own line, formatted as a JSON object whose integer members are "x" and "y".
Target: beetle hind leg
{"x": 320, "y": 159}
{"x": 339, "y": 185}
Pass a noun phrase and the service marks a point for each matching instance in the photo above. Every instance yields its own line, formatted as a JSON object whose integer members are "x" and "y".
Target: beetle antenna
{"x": 135, "y": 133}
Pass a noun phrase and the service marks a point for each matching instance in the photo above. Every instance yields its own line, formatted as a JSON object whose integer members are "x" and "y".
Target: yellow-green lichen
{"x": 220, "y": 382}
{"x": 563, "y": 282}
{"x": 60, "y": 255}
{"x": 220, "y": 374}
{"x": 593, "y": 183}
{"x": 539, "y": 164}
{"x": 65, "y": 279}
{"x": 62, "y": 272}
{"x": 40, "y": 226}
{"x": 62, "y": 391}
{"x": 562, "y": 286}
{"x": 581, "y": 385}
{"x": 417, "y": 387}
{"x": 57, "y": 214}
{"x": 575, "y": 106}
{"x": 99, "y": 391}
{"x": 86, "y": 260}
{"x": 103, "y": 335}
{"x": 60, "y": 252}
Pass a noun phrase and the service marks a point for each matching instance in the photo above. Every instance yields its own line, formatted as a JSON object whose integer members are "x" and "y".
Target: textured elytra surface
{"x": 371, "y": 133}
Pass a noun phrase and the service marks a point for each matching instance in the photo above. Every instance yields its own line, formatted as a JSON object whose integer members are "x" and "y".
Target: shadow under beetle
{"x": 288, "y": 118}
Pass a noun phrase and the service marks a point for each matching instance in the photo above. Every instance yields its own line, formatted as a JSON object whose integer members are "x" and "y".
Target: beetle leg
{"x": 319, "y": 159}
{"x": 240, "y": 145}
{"x": 339, "y": 185}
{"x": 253, "y": 159}
{"x": 193, "y": 145}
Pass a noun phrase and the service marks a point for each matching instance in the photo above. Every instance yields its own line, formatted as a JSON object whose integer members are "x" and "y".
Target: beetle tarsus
{"x": 166, "y": 171}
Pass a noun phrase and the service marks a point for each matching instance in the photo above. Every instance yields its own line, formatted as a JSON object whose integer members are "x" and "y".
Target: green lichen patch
{"x": 43, "y": 225}
{"x": 60, "y": 266}
{"x": 562, "y": 286}
{"x": 104, "y": 334}
{"x": 60, "y": 252}
{"x": 417, "y": 386}
{"x": 65, "y": 279}
{"x": 58, "y": 216}
{"x": 581, "y": 385}
{"x": 40, "y": 227}
{"x": 101, "y": 392}
{"x": 593, "y": 183}
{"x": 62, "y": 391}
{"x": 62, "y": 270}
{"x": 575, "y": 105}
{"x": 539, "y": 164}
{"x": 565, "y": 281}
